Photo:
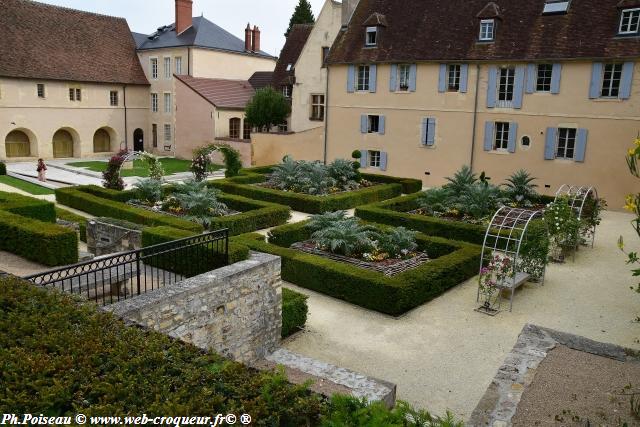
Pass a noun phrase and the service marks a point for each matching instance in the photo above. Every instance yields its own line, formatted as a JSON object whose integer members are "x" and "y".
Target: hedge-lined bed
{"x": 452, "y": 262}
{"x": 255, "y": 214}
{"x": 388, "y": 187}
{"x": 28, "y": 207}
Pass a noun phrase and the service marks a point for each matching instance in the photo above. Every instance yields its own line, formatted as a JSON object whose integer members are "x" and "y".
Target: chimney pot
{"x": 256, "y": 39}
{"x": 248, "y": 38}
{"x": 184, "y": 15}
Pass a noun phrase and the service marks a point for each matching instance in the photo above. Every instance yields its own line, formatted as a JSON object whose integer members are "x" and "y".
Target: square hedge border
{"x": 453, "y": 262}
{"x": 99, "y": 201}
{"x": 388, "y": 187}
{"x": 394, "y": 212}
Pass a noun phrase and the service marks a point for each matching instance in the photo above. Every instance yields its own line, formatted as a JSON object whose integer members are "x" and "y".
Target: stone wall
{"x": 235, "y": 311}
{"x": 104, "y": 238}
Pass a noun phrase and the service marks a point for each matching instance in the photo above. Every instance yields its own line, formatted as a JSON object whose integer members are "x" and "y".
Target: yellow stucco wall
{"x": 270, "y": 148}
{"x": 209, "y": 63}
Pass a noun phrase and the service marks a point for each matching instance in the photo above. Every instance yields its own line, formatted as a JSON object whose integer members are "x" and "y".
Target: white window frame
{"x": 153, "y": 68}
{"x": 374, "y": 158}
{"x": 371, "y": 120}
{"x": 317, "y": 105}
{"x": 544, "y": 80}
{"x": 633, "y": 14}
{"x": 154, "y": 102}
{"x": 610, "y": 85}
{"x": 114, "y": 98}
{"x": 506, "y": 85}
{"x": 286, "y": 91}
{"x": 168, "y": 134}
{"x": 454, "y": 72}
{"x": 501, "y": 136}
{"x": 44, "y": 90}
{"x": 487, "y": 30}
{"x": 75, "y": 94}
{"x": 404, "y": 76}
{"x": 167, "y": 68}
{"x": 363, "y": 78}
{"x": 178, "y": 65}
{"x": 565, "y": 140}
{"x": 167, "y": 101}
{"x": 371, "y": 31}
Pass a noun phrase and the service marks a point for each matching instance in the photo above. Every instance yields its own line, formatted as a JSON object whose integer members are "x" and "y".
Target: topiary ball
{"x": 356, "y": 154}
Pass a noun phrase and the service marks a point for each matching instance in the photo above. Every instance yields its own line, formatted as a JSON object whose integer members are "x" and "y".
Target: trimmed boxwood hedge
{"x": 409, "y": 185}
{"x": 294, "y": 311}
{"x": 452, "y": 263}
{"x": 68, "y": 216}
{"x": 60, "y": 357}
{"x": 27, "y": 206}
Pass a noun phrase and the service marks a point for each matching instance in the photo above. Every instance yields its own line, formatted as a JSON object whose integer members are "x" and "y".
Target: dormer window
{"x": 555, "y": 7}
{"x": 630, "y": 21}
{"x": 372, "y": 36}
{"x": 487, "y": 30}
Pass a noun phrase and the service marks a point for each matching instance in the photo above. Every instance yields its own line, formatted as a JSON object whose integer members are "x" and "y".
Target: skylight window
{"x": 289, "y": 67}
{"x": 552, "y": 7}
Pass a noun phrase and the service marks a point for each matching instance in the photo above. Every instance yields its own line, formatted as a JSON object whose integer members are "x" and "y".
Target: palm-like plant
{"x": 520, "y": 188}
{"x": 200, "y": 206}
{"x": 480, "y": 200}
{"x": 149, "y": 190}
{"x": 397, "y": 242}
{"x": 190, "y": 186}
{"x": 313, "y": 178}
{"x": 347, "y": 237}
{"x": 435, "y": 200}
{"x": 327, "y": 219}
{"x": 460, "y": 181}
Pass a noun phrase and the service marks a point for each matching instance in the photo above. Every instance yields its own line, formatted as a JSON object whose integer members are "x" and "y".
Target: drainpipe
{"x": 126, "y": 131}
{"x": 188, "y": 61}
{"x": 475, "y": 117}
{"x": 326, "y": 115}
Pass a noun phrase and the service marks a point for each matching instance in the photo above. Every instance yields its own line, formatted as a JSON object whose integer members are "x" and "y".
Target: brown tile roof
{"x": 41, "y": 41}
{"x": 290, "y": 54}
{"x": 261, "y": 79}
{"x": 435, "y": 30}
{"x": 233, "y": 94}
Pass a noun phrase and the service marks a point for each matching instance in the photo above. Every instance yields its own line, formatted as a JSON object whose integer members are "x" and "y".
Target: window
{"x": 284, "y": 127}
{"x": 404, "y": 71}
{"x": 505, "y": 86}
{"x": 611, "y": 80}
{"x": 372, "y": 36}
{"x": 75, "y": 94}
{"x": 154, "y": 102}
{"x": 167, "y": 103}
{"x": 40, "y": 89}
{"x": 154, "y": 68}
{"x": 552, "y": 7}
{"x": 167, "y": 68}
{"x": 286, "y": 91}
{"x": 113, "y": 98}
{"x": 487, "y": 30}
{"x": 566, "y": 143}
{"x": 630, "y": 21}
{"x": 154, "y": 135}
{"x": 374, "y": 124}
{"x": 178, "y": 61}
{"x": 246, "y": 130}
{"x": 325, "y": 54}
{"x": 234, "y": 128}
{"x": 363, "y": 78}
{"x": 543, "y": 82}
{"x": 374, "y": 159}
{"x": 501, "y": 141}
{"x": 453, "y": 80}
{"x": 168, "y": 138}
{"x": 525, "y": 142}
{"x": 317, "y": 107}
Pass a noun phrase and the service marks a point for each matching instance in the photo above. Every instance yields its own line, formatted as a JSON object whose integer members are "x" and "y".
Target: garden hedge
{"x": 68, "y": 216}
{"x": 29, "y": 207}
{"x": 452, "y": 263}
{"x": 294, "y": 311}
{"x": 60, "y": 357}
{"x": 3, "y": 168}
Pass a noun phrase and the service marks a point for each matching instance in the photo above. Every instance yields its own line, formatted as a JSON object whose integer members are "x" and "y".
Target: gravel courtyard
{"x": 443, "y": 355}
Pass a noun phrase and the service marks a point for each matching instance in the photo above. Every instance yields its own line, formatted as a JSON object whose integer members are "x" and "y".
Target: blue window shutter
{"x": 364, "y": 123}
{"x": 423, "y": 134}
{"x": 492, "y": 87}
{"x": 581, "y": 145}
{"x": 627, "y": 78}
{"x": 442, "y": 81}
{"x": 532, "y": 76}
{"x": 413, "y": 76}
{"x": 488, "y": 136}
{"x": 373, "y": 77}
{"x": 363, "y": 158}
{"x": 550, "y": 144}
{"x": 351, "y": 78}
{"x": 383, "y": 161}
{"x": 431, "y": 131}
{"x": 393, "y": 78}
{"x": 513, "y": 136}
{"x": 556, "y": 75}
{"x": 464, "y": 77}
{"x": 381, "y": 125}
{"x": 595, "y": 87}
{"x": 518, "y": 87}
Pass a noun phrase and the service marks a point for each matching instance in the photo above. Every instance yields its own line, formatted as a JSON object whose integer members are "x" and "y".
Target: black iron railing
{"x": 113, "y": 278}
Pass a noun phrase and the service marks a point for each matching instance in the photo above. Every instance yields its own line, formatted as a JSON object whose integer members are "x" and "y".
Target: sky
{"x": 144, "y": 16}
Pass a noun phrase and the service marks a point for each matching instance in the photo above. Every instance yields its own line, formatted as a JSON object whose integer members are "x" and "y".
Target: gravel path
{"x": 443, "y": 355}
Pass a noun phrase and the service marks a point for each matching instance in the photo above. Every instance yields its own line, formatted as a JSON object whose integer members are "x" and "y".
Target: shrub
{"x": 397, "y": 242}
{"x": 3, "y": 168}
{"x": 199, "y": 166}
{"x": 563, "y": 225}
{"x": 344, "y": 174}
{"x": 409, "y": 185}
{"x": 327, "y": 219}
{"x": 149, "y": 190}
{"x": 28, "y": 207}
{"x": 520, "y": 188}
{"x": 111, "y": 176}
{"x": 232, "y": 162}
{"x": 294, "y": 311}
{"x": 104, "y": 368}
{"x": 434, "y": 200}
{"x": 460, "y": 181}
{"x": 480, "y": 200}
{"x": 199, "y": 206}
{"x": 267, "y": 108}
{"x": 347, "y": 237}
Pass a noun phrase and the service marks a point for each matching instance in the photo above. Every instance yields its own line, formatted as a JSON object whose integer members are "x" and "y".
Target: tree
{"x": 301, "y": 15}
{"x": 267, "y": 108}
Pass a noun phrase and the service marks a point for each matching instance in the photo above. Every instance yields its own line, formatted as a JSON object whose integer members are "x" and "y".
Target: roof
{"x": 203, "y": 33}
{"x": 436, "y": 30}
{"x": 261, "y": 79}
{"x": 41, "y": 41}
{"x": 284, "y": 73}
{"x": 222, "y": 93}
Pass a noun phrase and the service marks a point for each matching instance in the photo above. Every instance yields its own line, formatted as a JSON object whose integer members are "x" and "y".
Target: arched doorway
{"x": 62, "y": 144}
{"x": 101, "y": 141}
{"x": 17, "y": 144}
{"x": 138, "y": 140}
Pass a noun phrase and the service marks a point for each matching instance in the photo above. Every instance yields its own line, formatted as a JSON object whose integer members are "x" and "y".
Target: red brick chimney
{"x": 184, "y": 15}
{"x": 248, "y": 38}
{"x": 256, "y": 39}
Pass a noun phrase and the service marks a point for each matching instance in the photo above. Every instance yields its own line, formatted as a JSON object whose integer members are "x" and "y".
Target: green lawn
{"x": 140, "y": 167}
{"x": 30, "y": 188}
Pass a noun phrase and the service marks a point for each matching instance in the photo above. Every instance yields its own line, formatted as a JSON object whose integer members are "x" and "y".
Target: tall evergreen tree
{"x": 302, "y": 15}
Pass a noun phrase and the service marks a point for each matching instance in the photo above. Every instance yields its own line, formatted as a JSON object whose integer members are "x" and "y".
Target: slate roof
{"x": 40, "y": 41}
{"x": 203, "y": 33}
{"x": 222, "y": 93}
{"x": 437, "y": 30}
{"x": 261, "y": 79}
{"x": 290, "y": 53}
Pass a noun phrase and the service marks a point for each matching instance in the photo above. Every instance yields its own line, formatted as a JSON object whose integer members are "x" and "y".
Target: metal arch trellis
{"x": 504, "y": 237}
{"x": 577, "y": 198}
